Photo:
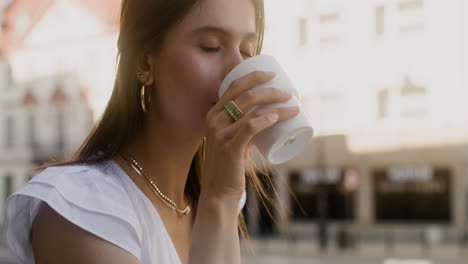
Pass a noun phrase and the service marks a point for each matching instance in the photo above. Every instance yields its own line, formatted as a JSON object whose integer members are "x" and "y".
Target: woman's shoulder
{"x": 50, "y": 238}
{"x": 90, "y": 196}
{"x": 88, "y": 185}
{"x": 88, "y": 176}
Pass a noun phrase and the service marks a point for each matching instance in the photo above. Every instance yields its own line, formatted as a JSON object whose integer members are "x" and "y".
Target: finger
{"x": 241, "y": 132}
{"x": 284, "y": 113}
{"x": 252, "y": 127}
{"x": 258, "y": 96}
{"x": 242, "y": 84}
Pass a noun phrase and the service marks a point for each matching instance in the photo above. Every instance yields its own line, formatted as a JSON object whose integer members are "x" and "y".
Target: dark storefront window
{"x": 266, "y": 225}
{"x": 412, "y": 195}
{"x": 7, "y": 190}
{"x": 321, "y": 188}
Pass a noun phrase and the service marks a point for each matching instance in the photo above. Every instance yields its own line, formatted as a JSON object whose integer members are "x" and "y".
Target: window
{"x": 382, "y": 104}
{"x": 414, "y": 101}
{"x": 410, "y": 89}
{"x": 7, "y": 191}
{"x": 413, "y": 196}
{"x": 5, "y": 75}
{"x": 31, "y": 130}
{"x": 379, "y": 20}
{"x": 330, "y": 17}
{"x": 302, "y": 32}
{"x": 321, "y": 193}
{"x": 410, "y": 5}
{"x": 412, "y": 16}
{"x": 331, "y": 29}
{"x": 8, "y": 183}
{"x": 60, "y": 130}
{"x": 9, "y": 132}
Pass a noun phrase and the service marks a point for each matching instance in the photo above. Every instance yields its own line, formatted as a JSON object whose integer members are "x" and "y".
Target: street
{"x": 279, "y": 252}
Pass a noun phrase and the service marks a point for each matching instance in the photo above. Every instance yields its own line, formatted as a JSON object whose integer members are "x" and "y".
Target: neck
{"x": 165, "y": 156}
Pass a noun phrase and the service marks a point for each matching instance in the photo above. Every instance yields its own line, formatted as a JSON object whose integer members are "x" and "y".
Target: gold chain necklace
{"x": 139, "y": 170}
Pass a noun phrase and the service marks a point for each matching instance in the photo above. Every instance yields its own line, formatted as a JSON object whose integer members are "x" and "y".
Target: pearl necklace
{"x": 139, "y": 170}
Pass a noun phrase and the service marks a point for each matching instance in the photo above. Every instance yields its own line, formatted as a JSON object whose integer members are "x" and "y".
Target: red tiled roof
{"x": 29, "y": 98}
{"x": 58, "y": 97}
{"x": 34, "y": 10}
{"x": 84, "y": 93}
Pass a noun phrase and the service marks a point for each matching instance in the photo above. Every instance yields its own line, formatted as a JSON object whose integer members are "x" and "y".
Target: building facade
{"x": 55, "y": 76}
{"x": 385, "y": 85}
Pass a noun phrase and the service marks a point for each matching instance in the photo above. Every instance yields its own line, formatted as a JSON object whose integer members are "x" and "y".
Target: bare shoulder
{"x": 57, "y": 240}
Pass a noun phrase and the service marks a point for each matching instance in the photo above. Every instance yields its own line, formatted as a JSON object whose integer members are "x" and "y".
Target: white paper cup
{"x": 286, "y": 139}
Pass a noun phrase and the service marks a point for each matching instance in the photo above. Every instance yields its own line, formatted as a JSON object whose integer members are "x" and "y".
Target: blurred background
{"x": 385, "y": 83}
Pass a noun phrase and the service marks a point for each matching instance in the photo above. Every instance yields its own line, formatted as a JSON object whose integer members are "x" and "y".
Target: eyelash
{"x": 212, "y": 50}
{"x": 208, "y": 49}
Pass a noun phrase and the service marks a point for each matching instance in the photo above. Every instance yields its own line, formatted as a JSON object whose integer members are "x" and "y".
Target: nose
{"x": 233, "y": 59}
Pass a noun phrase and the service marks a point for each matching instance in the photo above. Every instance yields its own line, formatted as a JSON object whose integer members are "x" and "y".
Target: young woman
{"x": 161, "y": 177}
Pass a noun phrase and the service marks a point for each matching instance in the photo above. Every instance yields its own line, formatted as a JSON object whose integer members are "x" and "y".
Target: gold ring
{"x": 233, "y": 110}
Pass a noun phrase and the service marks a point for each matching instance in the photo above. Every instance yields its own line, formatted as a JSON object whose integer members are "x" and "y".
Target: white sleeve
{"x": 85, "y": 197}
{"x": 242, "y": 201}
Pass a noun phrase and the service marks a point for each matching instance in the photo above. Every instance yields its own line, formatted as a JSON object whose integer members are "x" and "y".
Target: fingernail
{"x": 294, "y": 109}
{"x": 273, "y": 117}
{"x": 270, "y": 74}
{"x": 286, "y": 92}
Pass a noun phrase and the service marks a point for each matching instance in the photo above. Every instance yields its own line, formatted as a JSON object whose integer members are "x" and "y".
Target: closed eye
{"x": 210, "y": 49}
{"x": 216, "y": 49}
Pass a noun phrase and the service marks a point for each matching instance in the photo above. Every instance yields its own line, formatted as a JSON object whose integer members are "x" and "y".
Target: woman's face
{"x": 195, "y": 57}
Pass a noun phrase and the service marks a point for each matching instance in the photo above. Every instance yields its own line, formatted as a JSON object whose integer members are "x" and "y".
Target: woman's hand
{"x": 223, "y": 183}
{"x": 228, "y": 141}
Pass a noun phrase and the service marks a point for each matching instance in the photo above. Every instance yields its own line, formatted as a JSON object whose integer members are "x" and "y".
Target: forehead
{"x": 235, "y": 16}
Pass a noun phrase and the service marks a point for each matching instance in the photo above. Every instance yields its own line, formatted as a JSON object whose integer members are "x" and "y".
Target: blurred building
{"x": 383, "y": 81}
{"x": 385, "y": 84}
{"x": 57, "y": 65}
{"x": 44, "y": 37}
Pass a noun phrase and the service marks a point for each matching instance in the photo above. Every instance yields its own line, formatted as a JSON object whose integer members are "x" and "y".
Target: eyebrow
{"x": 221, "y": 31}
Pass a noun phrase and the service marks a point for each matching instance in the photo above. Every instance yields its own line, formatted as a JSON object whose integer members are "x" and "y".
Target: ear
{"x": 145, "y": 65}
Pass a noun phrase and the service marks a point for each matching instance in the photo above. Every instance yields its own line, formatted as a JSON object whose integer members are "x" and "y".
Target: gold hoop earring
{"x": 144, "y": 104}
{"x": 204, "y": 149}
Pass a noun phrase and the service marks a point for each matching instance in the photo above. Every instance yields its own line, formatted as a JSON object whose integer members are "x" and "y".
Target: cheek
{"x": 198, "y": 74}
{"x": 193, "y": 83}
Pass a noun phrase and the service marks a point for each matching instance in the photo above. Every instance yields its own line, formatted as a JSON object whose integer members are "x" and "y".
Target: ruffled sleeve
{"x": 88, "y": 197}
{"x": 242, "y": 201}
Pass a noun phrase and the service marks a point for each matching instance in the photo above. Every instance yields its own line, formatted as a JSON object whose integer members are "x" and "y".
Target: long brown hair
{"x": 143, "y": 26}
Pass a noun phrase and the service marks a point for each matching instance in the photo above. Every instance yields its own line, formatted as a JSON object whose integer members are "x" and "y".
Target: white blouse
{"x": 99, "y": 198}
